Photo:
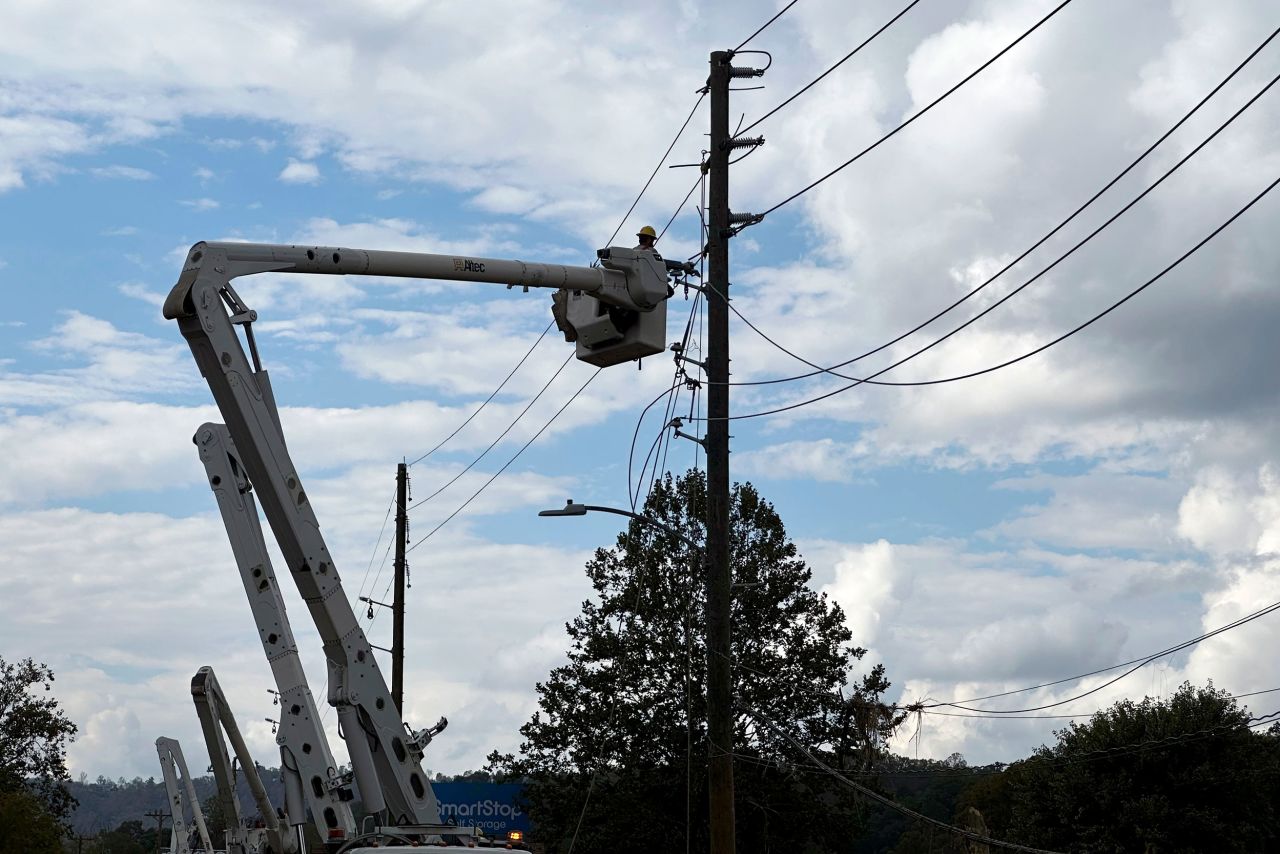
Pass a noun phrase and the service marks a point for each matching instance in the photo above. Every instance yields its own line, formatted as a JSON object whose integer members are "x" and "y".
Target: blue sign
{"x": 494, "y": 808}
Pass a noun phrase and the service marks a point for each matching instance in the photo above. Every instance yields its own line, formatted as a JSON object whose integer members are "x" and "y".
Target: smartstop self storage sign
{"x": 491, "y": 807}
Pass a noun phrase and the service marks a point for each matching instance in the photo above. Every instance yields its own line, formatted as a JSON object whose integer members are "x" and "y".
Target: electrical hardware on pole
{"x": 716, "y": 443}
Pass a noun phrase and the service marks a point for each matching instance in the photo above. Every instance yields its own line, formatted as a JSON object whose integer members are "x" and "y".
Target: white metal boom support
{"x": 306, "y": 762}
{"x": 181, "y": 795}
{"x": 385, "y": 755}
{"x": 215, "y": 720}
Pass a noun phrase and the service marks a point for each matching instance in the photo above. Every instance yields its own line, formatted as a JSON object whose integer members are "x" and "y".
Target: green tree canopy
{"x": 624, "y": 721}
{"x": 1183, "y": 774}
{"x": 34, "y": 733}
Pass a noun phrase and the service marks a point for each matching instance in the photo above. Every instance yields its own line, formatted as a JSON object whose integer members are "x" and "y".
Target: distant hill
{"x": 104, "y": 803}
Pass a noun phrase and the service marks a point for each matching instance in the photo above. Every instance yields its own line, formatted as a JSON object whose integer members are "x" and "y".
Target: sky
{"x": 1106, "y": 498}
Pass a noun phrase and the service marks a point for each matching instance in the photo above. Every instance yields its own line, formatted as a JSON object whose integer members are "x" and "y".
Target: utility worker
{"x": 647, "y": 237}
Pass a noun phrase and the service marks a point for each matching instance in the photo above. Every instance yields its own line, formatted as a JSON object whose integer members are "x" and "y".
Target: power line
{"x": 501, "y": 435}
{"x": 481, "y": 407}
{"x": 917, "y": 115}
{"x": 1081, "y": 327}
{"x": 372, "y": 555}
{"x": 680, "y": 208}
{"x": 820, "y": 77}
{"x": 927, "y": 707}
{"x": 998, "y": 717}
{"x": 1137, "y": 664}
{"x": 1127, "y": 169}
{"x": 889, "y": 802}
{"x": 765, "y": 25}
{"x": 1078, "y": 759}
{"x": 507, "y": 464}
{"x": 656, "y": 169}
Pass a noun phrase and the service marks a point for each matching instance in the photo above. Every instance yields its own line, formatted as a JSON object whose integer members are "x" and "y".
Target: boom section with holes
{"x": 181, "y": 791}
{"x": 385, "y": 757}
{"x": 616, "y": 312}
{"x": 217, "y": 721}
{"x": 311, "y": 778}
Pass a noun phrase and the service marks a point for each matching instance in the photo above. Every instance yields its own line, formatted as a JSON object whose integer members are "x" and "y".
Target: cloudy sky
{"x": 1107, "y": 498}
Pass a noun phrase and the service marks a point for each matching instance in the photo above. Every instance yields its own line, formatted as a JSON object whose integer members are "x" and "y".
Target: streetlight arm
{"x": 574, "y": 509}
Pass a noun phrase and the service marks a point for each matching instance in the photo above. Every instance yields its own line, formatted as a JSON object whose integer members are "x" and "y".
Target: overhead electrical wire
{"x": 494, "y": 394}
{"x": 765, "y": 25}
{"x": 917, "y": 114}
{"x": 1013, "y": 361}
{"x": 1133, "y": 665}
{"x": 374, "y": 554}
{"x": 501, "y": 435}
{"x": 677, "y": 212}
{"x": 928, "y": 706}
{"x": 1070, "y": 218}
{"x": 999, "y": 717}
{"x": 1145, "y": 746}
{"x": 658, "y": 168}
{"x": 889, "y": 802}
{"x": 841, "y": 62}
{"x": 505, "y": 465}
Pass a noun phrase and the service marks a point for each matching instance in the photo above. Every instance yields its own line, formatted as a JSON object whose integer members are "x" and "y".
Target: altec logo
{"x": 466, "y": 265}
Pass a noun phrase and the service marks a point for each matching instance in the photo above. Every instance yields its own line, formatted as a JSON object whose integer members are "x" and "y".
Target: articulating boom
{"x": 181, "y": 797}
{"x": 215, "y": 720}
{"x": 306, "y": 761}
{"x": 628, "y": 292}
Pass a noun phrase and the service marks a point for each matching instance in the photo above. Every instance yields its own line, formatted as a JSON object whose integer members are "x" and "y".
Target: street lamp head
{"x": 569, "y": 509}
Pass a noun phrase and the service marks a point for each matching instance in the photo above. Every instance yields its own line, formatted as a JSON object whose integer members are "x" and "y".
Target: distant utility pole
{"x": 716, "y": 441}
{"x": 159, "y": 816}
{"x": 397, "y": 604}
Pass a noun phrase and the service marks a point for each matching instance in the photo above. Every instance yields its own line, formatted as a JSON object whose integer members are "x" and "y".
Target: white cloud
{"x": 201, "y": 205}
{"x": 128, "y": 173}
{"x": 299, "y": 172}
{"x": 505, "y": 200}
{"x": 1162, "y": 411}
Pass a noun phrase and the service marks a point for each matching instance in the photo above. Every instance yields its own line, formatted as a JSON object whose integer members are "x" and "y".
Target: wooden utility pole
{"x": 720, "y": 712}
{"x": 159, "y": 816}
{"x": 397, "y": 604}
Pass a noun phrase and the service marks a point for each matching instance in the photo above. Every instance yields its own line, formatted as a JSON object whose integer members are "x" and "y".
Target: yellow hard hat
{"x": 647, "y": 231}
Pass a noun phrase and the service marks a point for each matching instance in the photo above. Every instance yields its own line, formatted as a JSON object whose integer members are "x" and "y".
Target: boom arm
{"x": 215, "y": 719}
{"x": 385, "y": 755}
{"x": 306, "y": 761}
{"x": 171, "y": 763}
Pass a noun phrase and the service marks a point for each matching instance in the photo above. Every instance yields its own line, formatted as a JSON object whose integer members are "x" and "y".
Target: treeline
{"x": 104, "y": 804}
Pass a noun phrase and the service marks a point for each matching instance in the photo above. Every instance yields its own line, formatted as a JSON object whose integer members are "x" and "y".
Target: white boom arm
{"x": 386, "y": 756}
{"x": 180, "y": 797}
{"x": 216, "y": 720}
{"x": 306, "y": 762}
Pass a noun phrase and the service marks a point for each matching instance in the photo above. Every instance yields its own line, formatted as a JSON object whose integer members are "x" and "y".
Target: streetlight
{"x": 571, "y": 508}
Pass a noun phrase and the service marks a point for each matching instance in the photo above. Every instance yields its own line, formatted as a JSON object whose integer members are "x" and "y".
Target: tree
{"x": 25, "y": 824}
{"x": 619, "y": 740}
{"x": 34, "y": 734}
{"x": 1183, "y": 774}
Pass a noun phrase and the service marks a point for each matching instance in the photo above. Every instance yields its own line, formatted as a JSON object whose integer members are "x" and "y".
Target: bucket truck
{"x": 617, "y": 313}
{"x": 182, "y": 798}
{"x": 311, "y": 778}
{"x": 216, "y": 721}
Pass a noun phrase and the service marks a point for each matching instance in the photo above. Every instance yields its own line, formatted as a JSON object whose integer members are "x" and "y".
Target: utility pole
{"x": 159, "y": 816}
{"x": 716, "y": 441}
{"x": 397, "y": 604}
